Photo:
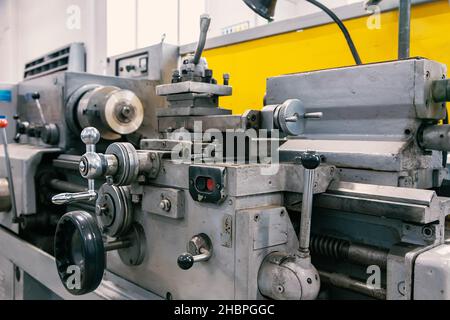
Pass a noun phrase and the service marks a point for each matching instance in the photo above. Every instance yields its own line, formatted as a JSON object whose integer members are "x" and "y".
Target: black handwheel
{"x": 79, "y": 252}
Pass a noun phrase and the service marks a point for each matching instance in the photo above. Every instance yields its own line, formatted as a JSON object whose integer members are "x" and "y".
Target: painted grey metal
{"x": 166, "y": 202}
{"x": 373, "y": 120}
{"x": 8, "y": 108}
{"x": 395, "y": 93}
{"x": 246, "y": 179}
{"x": 161, "y": 59}
{"x": 7, "y": 277}
{"x": 413, "y": 205}
{"x": 348, "y": 11}
{"x": 432, "y": 275}
{"x": 25, "y": 160}
{"x": 55, "y": 91}
{"x": 436, "y": 138}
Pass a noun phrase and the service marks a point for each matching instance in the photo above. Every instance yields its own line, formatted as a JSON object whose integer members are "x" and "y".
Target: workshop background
{"x": 300, "y": 39}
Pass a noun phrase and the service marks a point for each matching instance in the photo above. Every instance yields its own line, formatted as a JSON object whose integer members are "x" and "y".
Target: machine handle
{"x": 205, "y": 21}
{"x": 79, "y": 252}
{"x": 36, "y": 96}
{"x": 90, "y": 137}
{"x": 199, "y": 250}
{"x": 66, "y": 198}
{"x": 310, "y": 161}
{"x": 3, "y": 126}
{"x": 187, "y": 260}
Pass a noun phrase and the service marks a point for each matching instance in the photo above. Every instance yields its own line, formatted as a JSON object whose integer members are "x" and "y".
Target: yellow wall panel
{"x": 251, "y": 63}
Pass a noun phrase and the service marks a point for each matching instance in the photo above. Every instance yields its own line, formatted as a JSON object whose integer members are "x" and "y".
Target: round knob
{"x": 3, "y": 122}
{"x": 90, "y": 135}
{"x": 185, "y": 261}
{"x": 36, "y": 95}
{"x": 79, "y": 252}
{"x": 311, "y": 160}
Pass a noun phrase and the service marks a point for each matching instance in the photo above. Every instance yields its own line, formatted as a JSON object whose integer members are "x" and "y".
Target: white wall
{"x": 8, "y": 47}
{"x": 32, "y": 28}
{"x": 135, "y": 24}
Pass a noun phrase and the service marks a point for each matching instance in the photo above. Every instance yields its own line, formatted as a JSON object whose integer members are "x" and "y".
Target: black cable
{"x": 342, "y": 27}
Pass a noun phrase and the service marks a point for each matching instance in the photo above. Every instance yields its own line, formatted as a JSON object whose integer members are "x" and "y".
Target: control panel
{"x": 154, "y": 63}
{"x": 133, "y": 67}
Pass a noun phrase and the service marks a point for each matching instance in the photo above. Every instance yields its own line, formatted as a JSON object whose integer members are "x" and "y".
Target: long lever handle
{"x": 205, "y": 21}
{"x": 3, "y": 126}
{"x": 310, "y": 161}
{"x": 36, "y": 96}
{"x": 90, "y": 137}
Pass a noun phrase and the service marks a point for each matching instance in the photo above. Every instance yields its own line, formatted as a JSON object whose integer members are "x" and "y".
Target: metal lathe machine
{"x": 147, "y": 189}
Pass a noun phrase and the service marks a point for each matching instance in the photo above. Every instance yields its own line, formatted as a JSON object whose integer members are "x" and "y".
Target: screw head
{"x": 165, "y": 205}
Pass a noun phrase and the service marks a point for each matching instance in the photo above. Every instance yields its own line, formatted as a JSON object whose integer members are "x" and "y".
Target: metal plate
{"x": 193, "y": 87}
{"x": 152, "y": 197}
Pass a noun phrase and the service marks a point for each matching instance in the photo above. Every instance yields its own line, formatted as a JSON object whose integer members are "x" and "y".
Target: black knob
{"x": 310, "y": 160}
{"x": 36, "y": 95}
{"x": 185, "y": 261}
{"x": 16, "y": 117}
{"x": 79, "y": 250}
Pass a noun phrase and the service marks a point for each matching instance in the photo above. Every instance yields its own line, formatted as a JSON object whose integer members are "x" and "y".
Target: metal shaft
{"x": 345, "y": 282}
{"x": 119, "y": 244}
{"x": 307, "y": 201}
{"x": 10, "y": 176}
{"x": 41, "y": 113}
{"x": 404, "y": 32}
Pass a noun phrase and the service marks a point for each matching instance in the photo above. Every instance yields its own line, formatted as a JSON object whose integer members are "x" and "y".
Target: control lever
{"x": 199, "y": 249}
{"x": 90, "y": 137}
{"x": 304, "y": 280}
{"x": 36, "y": 96}
{"x": 3, "y": 126}
{"x": 310, "y": 161}
{"x": 205, "y": 21}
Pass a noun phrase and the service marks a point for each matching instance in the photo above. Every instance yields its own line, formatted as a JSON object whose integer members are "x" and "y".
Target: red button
{"x": 3, "y": 123}
{"x": 210, "y": 184}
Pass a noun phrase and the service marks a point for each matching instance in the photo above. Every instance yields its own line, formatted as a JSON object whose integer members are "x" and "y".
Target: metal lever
{"x": 36, "y": 96}
{"x": 90, "y": 137}
{"x": 199, "y": 250}
{"x": 311, "y": 115}
{"x": 310, "y": 161}
{"x": 3, "y": 126}
{"x": 205, "y": 21}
